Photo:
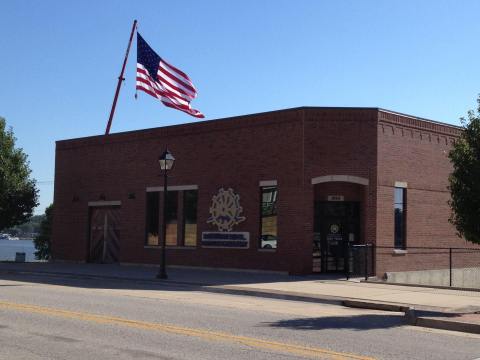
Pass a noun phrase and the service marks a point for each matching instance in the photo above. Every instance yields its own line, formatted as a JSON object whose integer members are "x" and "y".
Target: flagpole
{"x": 120, "y": 79}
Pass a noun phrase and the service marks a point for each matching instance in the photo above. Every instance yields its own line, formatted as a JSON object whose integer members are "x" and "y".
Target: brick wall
{"x": 236, "y": 153}
{"x": 416, "y": 152}
{"x": 343, "y": 142}
{"x": 290, "y": 146}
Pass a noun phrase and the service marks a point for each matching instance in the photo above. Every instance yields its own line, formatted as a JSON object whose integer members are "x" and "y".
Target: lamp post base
{"x": 161, "y": 275}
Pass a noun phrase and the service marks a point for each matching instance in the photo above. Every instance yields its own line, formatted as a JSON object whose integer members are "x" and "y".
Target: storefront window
{"x": 190, "y": 199}
{"x": 268, "y": 215}
{"x": 171, "y": 218}
{"x": 174, "y": 216}
{"x": 400, "y": 218}
{"x": 152, "y": 218}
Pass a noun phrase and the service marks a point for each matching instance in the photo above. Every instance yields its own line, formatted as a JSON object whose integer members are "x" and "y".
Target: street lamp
{"x": 166, "y": 161}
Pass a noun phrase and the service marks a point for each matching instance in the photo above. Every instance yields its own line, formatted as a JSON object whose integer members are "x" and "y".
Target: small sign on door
{"x": 335, "y": 198}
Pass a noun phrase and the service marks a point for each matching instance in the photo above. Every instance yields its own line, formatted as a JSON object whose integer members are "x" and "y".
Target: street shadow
{"x": 95, "y": 282}
{"x": 353, "y": 322}
{"x": 114, "y": 273}
{"x": 87, "y": 282}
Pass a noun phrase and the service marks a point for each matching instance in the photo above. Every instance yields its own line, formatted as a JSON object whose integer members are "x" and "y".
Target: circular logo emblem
{"x": 334, "y": 228}
{"x": 225, "y": 210}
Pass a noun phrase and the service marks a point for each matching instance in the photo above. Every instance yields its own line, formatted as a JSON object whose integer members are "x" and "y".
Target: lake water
{"x": 8, "y": 249}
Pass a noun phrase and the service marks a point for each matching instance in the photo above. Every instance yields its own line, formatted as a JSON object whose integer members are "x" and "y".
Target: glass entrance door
{"x": 336, "y": 225}
{"x": 334, "y": 245}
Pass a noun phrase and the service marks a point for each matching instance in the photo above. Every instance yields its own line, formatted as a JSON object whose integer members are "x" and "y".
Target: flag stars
{"x": 161, "y": 80}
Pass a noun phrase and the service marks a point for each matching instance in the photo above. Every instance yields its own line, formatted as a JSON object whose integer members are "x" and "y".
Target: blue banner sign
{"x": 220, "y": 239}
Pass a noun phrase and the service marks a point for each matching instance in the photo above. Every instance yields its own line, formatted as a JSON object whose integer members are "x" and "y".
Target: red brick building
{"x": 282, "y": 191}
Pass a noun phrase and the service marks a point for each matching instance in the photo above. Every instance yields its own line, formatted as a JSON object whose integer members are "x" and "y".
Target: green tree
{"x": 465, "y": 178}
{"x": 18, "y": 192}
{"x": 42, "y": 241}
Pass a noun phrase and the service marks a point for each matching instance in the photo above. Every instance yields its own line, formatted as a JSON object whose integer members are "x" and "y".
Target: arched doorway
{"x": 339, "y": 213}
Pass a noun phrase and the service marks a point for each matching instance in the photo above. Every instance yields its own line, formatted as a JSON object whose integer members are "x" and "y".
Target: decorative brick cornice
{"x": 273, "y": 118}
{"x": 413, "y": 122}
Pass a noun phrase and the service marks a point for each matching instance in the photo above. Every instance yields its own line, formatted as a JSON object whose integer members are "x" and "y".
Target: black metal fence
{"x": 360, "y": 261}
{"x": 432, "y": 266}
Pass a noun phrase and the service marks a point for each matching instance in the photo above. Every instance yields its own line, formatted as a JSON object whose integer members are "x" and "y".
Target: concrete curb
{"x": 223, "y": 289}
{"x": 447, "y": 325}
{"x": 273, "y": 294}
{"x": 231, "y": 290}
{"x": 411, "y": 317}
{"x": 410, "y": 314}
{"x": 376, "y": 305}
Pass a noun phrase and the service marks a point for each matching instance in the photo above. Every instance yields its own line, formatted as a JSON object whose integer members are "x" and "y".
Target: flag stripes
{"x": 168, "y": 84}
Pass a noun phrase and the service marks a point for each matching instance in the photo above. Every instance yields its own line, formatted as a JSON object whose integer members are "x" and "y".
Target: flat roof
{"x": 199, "y": 122}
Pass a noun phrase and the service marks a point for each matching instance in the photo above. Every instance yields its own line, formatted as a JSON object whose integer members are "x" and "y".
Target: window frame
{"x": 180, "y": 190}
{"x": 402, "y": 243}
{"x": 274, "y": 198}
{"x": 149, "y": 217}
{"x": 174, "y": 221}
{"x": 184, "y": 218}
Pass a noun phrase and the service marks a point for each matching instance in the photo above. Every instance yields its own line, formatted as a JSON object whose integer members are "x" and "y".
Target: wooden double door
{"x": 104, "y": 244}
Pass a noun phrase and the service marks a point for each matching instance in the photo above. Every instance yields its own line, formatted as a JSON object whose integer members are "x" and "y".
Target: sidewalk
{"x": 433, "y": 307}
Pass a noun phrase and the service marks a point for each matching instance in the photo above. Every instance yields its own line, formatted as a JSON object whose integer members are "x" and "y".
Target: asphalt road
{"x": 43, "y": 317}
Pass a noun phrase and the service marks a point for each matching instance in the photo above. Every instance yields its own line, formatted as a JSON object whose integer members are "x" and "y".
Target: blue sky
{"x": 59, "y": 61}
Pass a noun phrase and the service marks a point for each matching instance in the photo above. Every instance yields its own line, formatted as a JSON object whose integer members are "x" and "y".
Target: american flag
{"x": 163, "y": 81}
